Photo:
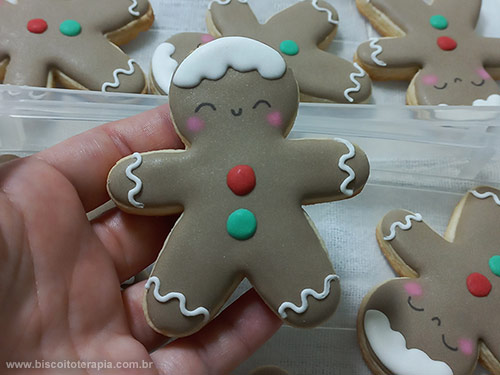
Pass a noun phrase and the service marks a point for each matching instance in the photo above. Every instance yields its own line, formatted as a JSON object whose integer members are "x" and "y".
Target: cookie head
{"x": 233, "y": 87}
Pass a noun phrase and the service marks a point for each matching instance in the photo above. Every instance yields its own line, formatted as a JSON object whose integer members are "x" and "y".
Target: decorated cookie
{"x": 434, "y": 45}
{"x": 169, "y": 55}
{"x": 240, "y": 186}
{"x": 71, "y": 42}
{"x": 299, "y": 33}
{"x": 444, "y": 313}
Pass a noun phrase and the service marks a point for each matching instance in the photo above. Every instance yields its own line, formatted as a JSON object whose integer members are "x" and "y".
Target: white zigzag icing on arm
{"x": 328, "y": 11}
{"x": 181, "y": 297}
{"x": 116, "y": 82}
{"x": 405, "y": 226}
{"x": 486, "y": 195}
{"x": 353, "y": 77}
{"x": 377, "y": 51}
{"x": 138, "y": 183}
{"x": 343, "y": 166}
{"x": 303, "y": 298}
{"x": 131, "y": 9}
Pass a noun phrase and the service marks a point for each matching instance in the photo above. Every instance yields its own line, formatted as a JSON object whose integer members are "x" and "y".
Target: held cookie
{"x": 71, "y": 42}
{"x": 435, "y": 46}
{"x": 299, "y": 33}
{"x": 444, "y": 313}
{"x": 240, "y": 186}
{"x": 169, "y": 55}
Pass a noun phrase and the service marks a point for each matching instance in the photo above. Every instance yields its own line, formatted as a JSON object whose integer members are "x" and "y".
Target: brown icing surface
{"x": 437, "y": 312}
{"x": 454, "y": 77}
{"x": 321, "y": 75}
{"x": 88, "y": 59}
{"x": 201, "y": 259}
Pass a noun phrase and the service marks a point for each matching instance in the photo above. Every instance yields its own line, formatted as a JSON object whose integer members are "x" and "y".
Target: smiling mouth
{"x": 237, "y": 114}
{"x": 452, "y": 348}
{"x": 413, "y": 306}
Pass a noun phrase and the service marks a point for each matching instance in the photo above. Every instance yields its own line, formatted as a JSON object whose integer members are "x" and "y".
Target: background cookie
{"x": 441, "y": 318}
{"x": 240, "y": 186}
{"x": 299, "y": 33}
{"x": 71, "y": 42}
{"x": 435, "y": 46}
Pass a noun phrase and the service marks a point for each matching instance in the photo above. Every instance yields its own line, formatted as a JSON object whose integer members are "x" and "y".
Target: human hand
{"x": 60, "y": 274}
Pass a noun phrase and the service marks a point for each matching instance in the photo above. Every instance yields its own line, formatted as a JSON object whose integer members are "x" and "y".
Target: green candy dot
{"x": 439, "y": 22}
{"x": 289, "y": 47}
{"x": 241, "y": 224}
{"x": 495, "y": 264}
{"x": 70, "y": 28}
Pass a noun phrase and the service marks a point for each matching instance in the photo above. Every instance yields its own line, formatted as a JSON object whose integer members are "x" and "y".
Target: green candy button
{"x": 70, "y": 28}
{"x": 289, "y": 47}
{"x": 439, "y": 22}
{"x": 241, "y": 224}
{"x": 495, "y": 264}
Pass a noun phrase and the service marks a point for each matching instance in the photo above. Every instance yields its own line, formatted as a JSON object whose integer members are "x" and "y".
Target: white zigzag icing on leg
{"x": 131, "y": 9}
{"x": 377, "y": 51}
{"x": 303, "y": 298}
{"x": 353, "y": 77}
{"x": 138, "y": 183}
{"x": 486, "y": 195}
{"x": 182, "y": 299}
{"x": 116, "y": 82}
{"x": 343, "y": 166}
{"x": 399, "y": 224}
{"x": 328, "y": 11}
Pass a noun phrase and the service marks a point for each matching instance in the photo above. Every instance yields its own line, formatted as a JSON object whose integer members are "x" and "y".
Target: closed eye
{"x": 441, "y": 87}
{"x": 204, "y": 105}
{"x": 478, "y": 84}
{"x": 413, "y": 306}
{"x": 261, "y": 101}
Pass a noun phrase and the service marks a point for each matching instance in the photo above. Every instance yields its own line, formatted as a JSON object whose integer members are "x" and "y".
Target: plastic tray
{"x": 422, "y": 159}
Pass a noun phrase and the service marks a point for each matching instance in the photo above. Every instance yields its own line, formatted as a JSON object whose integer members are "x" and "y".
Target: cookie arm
{"x": 328, "y": 169}
{"x": 389, "y": 58}
{"x": 231, "y": 18}
{"x": 409, "y": 244}
{"x": 149, "y": 183}
{"x": 111, "y": 15}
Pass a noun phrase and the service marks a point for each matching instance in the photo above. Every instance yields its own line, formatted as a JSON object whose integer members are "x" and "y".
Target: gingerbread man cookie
{"x": 71, "y": 42}
{"x": 240, "y": 186}
{"x": 444, "y": 314}
{"x": 169, "y": 55}
{"x": 435, "y": 46}
{"x": 299, "y": 33}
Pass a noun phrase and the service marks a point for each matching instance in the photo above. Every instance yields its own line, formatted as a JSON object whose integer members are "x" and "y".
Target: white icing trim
{"x": 377, "y": 51}
{"x": 181, "y": 297}
{"x": 343, "y": 166}
{"x": 116, "y": 82}
{"x": 390, "y": 348}
{"x": 353, "y": 77}
{"x": 493, "y": 100}
{"x": 486, "y": 195}
{"x": 328, "y": 11}
{"x": 224, "y": 2}
{"x": 138, "y": 183}
{"x": 163, "y": 65}
{"x": 212, "y": 60}
{"x": 303, "y": 297}
{"x": 405, "y": 226}
{"x": 131, "y": 9}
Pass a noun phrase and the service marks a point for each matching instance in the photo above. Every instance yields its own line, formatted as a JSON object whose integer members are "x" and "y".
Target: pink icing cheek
{"x": 195, "y": 124}
{"x": 430, "y": 79}
{"x": 413, "y": 289}
{"x": 275, "y": 119}
{"x": 466, "y": 346}
{"x": 483, "y": 73}
{"x": 205, "y": 38}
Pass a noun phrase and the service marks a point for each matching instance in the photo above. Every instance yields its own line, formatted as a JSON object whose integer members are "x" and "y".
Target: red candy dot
{"x": 478, "y": 285}
{"x": 446, "y": 43}
{"x": 37, "y": 26}
{"x": 241, "y": 179}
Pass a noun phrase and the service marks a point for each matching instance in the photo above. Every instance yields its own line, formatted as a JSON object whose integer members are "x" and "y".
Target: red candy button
{"x": 241, "y": 179}
{"x": 446, "y": 43}
{"x": 478, "y": 285}
{"x": 37, "y": 26}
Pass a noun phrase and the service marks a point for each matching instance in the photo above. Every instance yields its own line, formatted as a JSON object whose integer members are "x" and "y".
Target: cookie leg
{"x": 189, "y": 283}
{"x": 295, "y": 276}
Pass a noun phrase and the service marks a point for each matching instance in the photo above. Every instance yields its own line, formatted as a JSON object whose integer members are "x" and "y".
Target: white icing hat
{"x": 212, "y": 60}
